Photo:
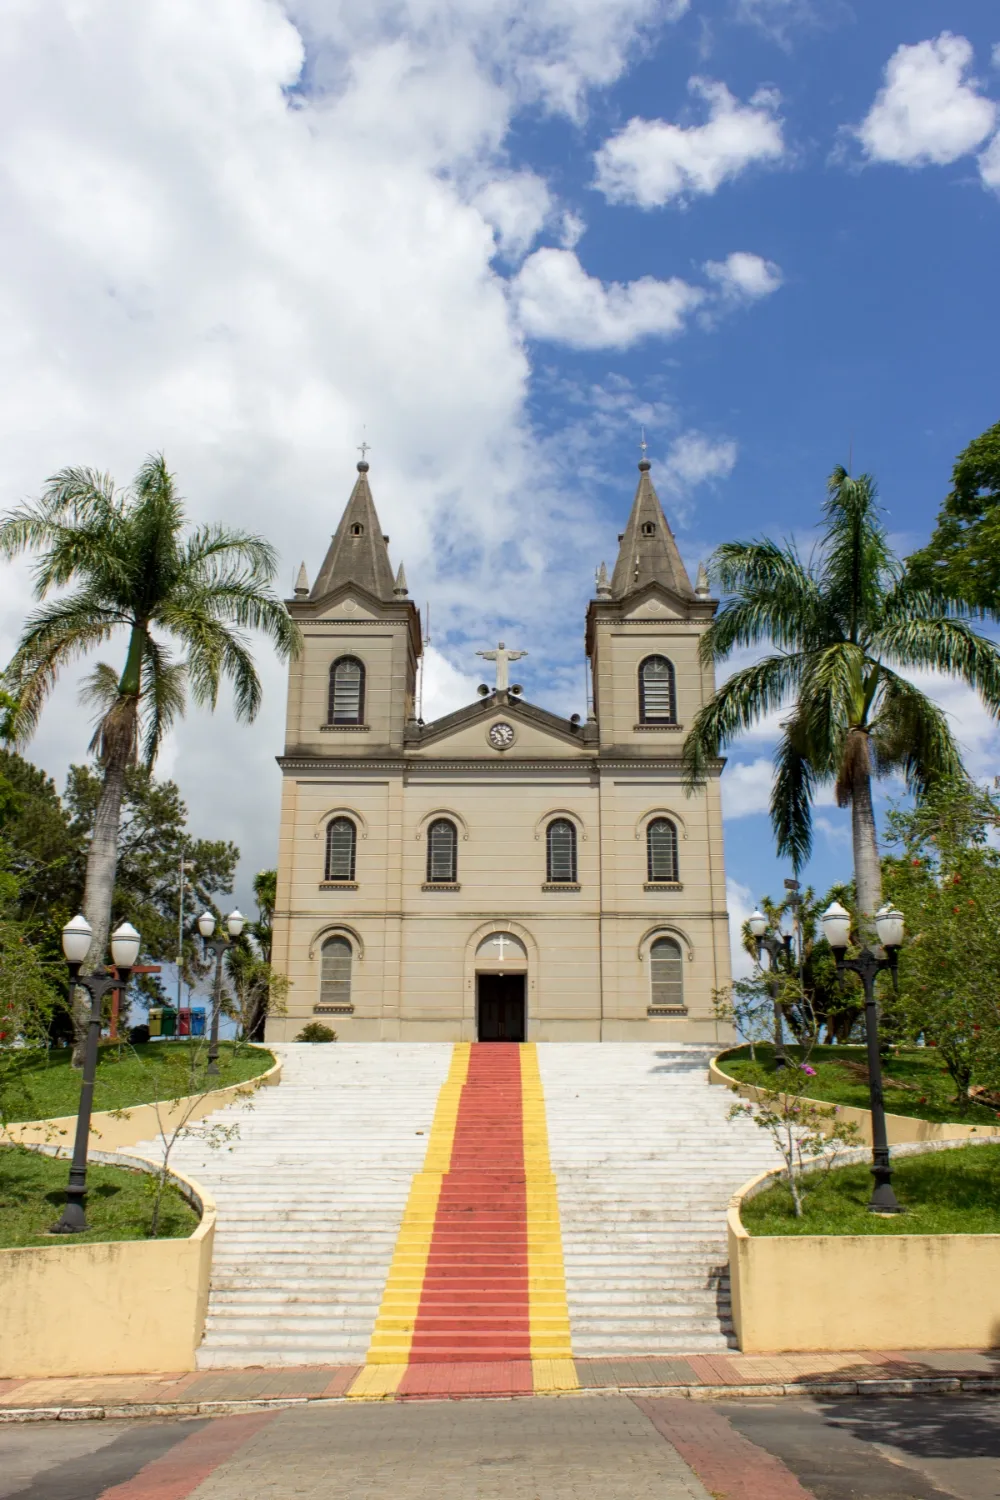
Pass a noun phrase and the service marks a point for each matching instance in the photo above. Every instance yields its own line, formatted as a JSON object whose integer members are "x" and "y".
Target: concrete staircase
{"x": 646, "y": 1162}
{"x": 310, "y": 1200}
{"x": 312, "y": 1193}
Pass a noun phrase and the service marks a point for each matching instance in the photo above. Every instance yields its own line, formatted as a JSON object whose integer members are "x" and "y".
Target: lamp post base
{"x": 883, "y": 1199}
{"x": 73, "y": 1221}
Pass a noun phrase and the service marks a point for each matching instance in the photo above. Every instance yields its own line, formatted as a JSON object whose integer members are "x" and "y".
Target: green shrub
{"x": 316, "y": 1032}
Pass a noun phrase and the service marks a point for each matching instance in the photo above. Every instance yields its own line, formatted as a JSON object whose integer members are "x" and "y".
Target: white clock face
{"x": 501, "y": 736}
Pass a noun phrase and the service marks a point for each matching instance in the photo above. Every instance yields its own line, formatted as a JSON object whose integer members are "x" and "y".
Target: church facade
{"x": 501, "y": 872}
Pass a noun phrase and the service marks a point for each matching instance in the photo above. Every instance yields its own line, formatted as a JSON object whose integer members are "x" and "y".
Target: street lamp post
{"x": 772, "y": 944}
{"x": 76, "y": 940}
{"x": 217, "y": 946}
{"x": 889, "y": 927}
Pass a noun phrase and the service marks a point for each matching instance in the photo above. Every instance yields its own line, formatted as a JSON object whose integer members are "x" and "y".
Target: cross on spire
{"x": 643, "y": 445}
{"x": 364, "y": 449}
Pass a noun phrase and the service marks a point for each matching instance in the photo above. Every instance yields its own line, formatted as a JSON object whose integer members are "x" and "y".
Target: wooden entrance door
{"x": 500, "y": 1007}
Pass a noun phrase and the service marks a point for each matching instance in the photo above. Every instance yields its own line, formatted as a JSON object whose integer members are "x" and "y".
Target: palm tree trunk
{"x": 867, "y": 865}
{"x": 99, "y": 888}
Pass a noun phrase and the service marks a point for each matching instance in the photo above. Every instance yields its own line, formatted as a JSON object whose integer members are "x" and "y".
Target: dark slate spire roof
{"x": 358, "y": 553}
{"x": 648, "y": 552}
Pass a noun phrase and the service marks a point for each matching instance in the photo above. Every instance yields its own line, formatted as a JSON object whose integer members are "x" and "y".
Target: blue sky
{"x": 495, "y": 238}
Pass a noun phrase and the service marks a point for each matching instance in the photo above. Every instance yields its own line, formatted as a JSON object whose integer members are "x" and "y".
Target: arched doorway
{"x": 501, "y": 984}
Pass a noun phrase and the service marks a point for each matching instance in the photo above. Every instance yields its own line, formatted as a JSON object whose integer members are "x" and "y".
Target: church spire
{"x": 359, "y": 552}
{"x": 648, "y": 552}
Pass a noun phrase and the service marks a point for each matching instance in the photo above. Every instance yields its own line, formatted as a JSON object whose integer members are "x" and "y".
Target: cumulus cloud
{"x": 693, "y": 458}
{"x": 517, "y": 207}
{"x": 740, "y": 901}
{"x": 928, "y": 111}
{"x": 743, "y": 277}
{"x": 556, "y": 299}
{"x": 989, "y": 164}
{"x": 746, "y": 789}
{"x": 653, "y": 162}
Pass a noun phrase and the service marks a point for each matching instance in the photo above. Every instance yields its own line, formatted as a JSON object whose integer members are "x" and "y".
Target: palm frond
{"x": 739, "y": 703}
{"x": 163, "y": 696}
{"x": 787, "y": 610}
{"x": 209, "y": 545}
{"x": 52, "y": 638}
{"x": 950, "y": 646}
{"x": 909, "y": 733}
{"x": 859, "y": 568}
{"x": 792, "y": 794}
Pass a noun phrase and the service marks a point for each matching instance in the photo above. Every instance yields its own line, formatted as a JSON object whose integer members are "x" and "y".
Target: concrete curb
{"x": 916, "y": 1386}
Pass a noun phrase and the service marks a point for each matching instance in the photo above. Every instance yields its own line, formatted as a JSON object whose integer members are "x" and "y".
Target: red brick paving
{"x": 341, "y": 1381}
{"x": 178, "y": 1473}
{"x": 728, "y": 1464}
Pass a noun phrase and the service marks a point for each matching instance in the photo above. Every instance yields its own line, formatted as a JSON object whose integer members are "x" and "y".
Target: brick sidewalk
{"x": 894, "y": 1372}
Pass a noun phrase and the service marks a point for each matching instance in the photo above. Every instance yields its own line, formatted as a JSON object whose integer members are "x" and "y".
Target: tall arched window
{"x": 657, "y": 692}
{"x": 661, "y": 850}
{"x": 341, "y": 843}
{"x": 560, "y": 850}
{"x": 335, "y": 972}
{"x": 347, "y": 692}
{"x": 666, "y": 974}
{"x": 442, "y": 851}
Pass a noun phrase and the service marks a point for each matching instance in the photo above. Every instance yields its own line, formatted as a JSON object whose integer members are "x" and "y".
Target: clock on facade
{"x": 501, "y": 736}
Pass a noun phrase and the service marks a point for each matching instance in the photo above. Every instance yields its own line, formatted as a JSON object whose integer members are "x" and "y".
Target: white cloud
{"x": 927, "y": 111}
{"x": 740, "y": 901}
{"x": 989, "y": 164}
{"x": 557, "y": 300}
{"x": 517, "y": 207}
{"x": 693, "y": 458}
{"x": 445, "y": 688}
{"x": 652, "y": 162}
{"x": 743, "y": 277}
{"x": 746, "y": 789}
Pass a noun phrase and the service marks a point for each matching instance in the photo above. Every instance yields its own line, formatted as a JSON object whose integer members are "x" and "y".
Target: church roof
{"x": 648, "y": 552}
{"x": 358, "y": 552}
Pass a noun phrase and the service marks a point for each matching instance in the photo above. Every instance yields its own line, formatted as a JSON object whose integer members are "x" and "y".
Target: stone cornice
{"x": 408, "y": 764}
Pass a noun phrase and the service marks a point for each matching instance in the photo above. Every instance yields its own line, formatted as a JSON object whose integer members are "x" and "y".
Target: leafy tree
{"x": 946, "y": 880}
{"x": 843, "y": 628}
{"x": 122, "y": 560}
{"x": 29, "y": 994}
{"x": 267, "y": 996}
{"x": 45, "y": 851}
{"x": 962, "y": 558}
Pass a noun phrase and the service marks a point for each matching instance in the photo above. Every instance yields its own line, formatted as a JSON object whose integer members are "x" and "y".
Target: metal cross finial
{"x": 643, "y": 445}
{"x": 364, "y": 449}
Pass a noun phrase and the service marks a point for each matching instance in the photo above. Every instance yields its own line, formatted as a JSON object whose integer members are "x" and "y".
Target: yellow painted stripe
{"x": 551, "y": 1344}
{"x": 392, "y": 1337}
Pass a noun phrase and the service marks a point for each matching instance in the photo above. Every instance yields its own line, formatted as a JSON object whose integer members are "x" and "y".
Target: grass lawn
{"x": 119, "y": 1202}
{"x": 943, "y": 1192}
{"x": 46, "y": 1086}
{"x": 930, "y": 1096}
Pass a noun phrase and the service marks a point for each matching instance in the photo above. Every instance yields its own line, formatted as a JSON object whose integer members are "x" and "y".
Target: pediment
{"x": 654, "y": 602}
{"x": 533, "y": 732}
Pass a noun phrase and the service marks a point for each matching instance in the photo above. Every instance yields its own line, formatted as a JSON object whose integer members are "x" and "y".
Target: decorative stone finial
{"x": 603, "y": 582}
{"x": 399, "y": 587}
{"x": 702, "y": 587}
{"x": 302, "y": 584}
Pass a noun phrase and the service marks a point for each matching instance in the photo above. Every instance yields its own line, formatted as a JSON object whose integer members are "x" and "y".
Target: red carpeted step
{"x": 474, "y": 1299}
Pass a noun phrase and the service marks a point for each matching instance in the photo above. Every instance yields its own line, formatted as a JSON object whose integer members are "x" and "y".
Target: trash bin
{"x": 168, "y": 1022}
{"x": 197, "y": 1021}
{"x": 184, "y": 1021}
{"x": 156, "y": 1021}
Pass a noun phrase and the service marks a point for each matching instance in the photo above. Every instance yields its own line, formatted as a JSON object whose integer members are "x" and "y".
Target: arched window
{"x": 347, "y": 692}
{"x": 661, "y": 850}
{"x": 335, "y": 972}
{"x": 560, "y": 849}
{"x": 341, "y": 842}
{"x": 666, "y": 974}
{"x": 442, "y": 851}
{"x": 657, "y": 693}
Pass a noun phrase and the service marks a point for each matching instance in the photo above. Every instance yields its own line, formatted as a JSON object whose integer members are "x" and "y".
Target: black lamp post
{"x": 76, "y": 940}
{"x": 889, "y": 927}
{"x": 773, "y": 944}
{"x": 217, "y": 945}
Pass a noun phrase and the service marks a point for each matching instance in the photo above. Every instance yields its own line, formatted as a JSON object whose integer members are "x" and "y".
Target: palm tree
{"x": 122, "y": 559}
{"x": 843, "y": 628}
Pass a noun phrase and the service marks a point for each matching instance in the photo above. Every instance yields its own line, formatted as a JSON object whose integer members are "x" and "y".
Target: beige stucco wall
{"x": 900, "y": 1129}
{"x": 842, "y": 1292}
{"x": 128, "y": 1307}
{"x": 140, "y": 1122}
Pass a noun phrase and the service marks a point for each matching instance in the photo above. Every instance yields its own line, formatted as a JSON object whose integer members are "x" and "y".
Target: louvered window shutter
{"x": 561, "y": 843}
{"x": 656, "y": 690}
{"x": 347, "y": 699}
{"x": 661, "y": 850}
{"x": 666, "y": 974}
{"x": 340, "y": 844}
{"x": 335, "y": 976}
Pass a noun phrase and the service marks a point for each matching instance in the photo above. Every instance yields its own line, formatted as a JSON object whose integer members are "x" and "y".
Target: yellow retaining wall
{"x": 901, "y": 1129}
{"x": 139, "y": 1122}
{"x": 125, "y": 1307}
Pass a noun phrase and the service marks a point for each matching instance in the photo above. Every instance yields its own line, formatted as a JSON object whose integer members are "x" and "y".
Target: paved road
{"x": 568, "y": 1448}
